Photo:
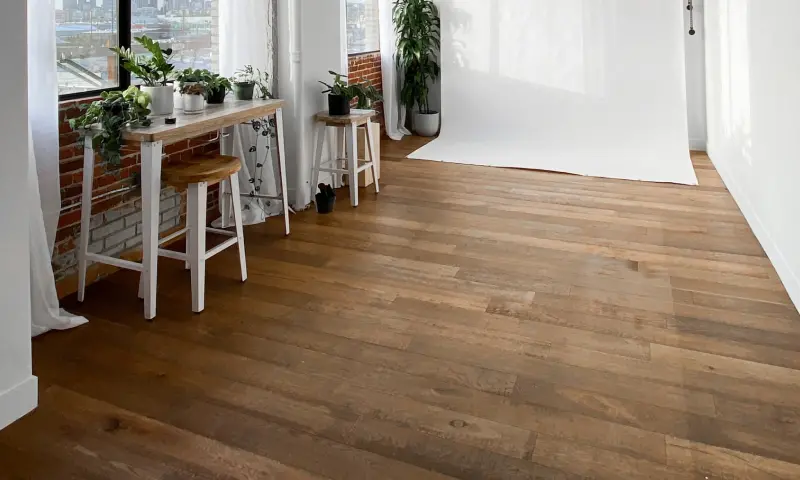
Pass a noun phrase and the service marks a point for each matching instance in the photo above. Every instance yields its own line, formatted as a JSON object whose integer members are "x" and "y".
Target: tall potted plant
{"x": 418, "y": 29}
{"x": 154, "y": 72}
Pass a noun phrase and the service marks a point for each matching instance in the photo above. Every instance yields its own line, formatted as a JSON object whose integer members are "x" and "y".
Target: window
{"x": 363, "y": 26}
{"x": 84, "y": 33}
{"x": 86, "y": 29}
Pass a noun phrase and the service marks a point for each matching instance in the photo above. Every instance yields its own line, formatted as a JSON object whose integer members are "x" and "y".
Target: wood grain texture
{"x": 213, "y": 118}
{"x": 355, "y": 117}
{"x": 211, "y": 169}
{"x": 467, "y": 323}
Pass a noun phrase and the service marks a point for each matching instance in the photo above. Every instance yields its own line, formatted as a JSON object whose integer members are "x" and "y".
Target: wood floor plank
{"x": 525, "y": 325}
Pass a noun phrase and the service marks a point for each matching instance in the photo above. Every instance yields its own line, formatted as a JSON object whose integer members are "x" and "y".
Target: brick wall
{"x": 367, "y": 65}
{"x": 116, "y": 224}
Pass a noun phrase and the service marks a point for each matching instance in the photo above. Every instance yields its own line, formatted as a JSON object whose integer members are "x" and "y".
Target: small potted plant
{"x": 366, "y": 93}
{"x": 341, "y": 94}
{"x": 194, "y": 98}
{"x": 186, "y": 77}
{"x": 217, "y": 87}
{"x": 112, "y": 113}
{"x": 244, "y": 83}
{"x": 154, "y": 72}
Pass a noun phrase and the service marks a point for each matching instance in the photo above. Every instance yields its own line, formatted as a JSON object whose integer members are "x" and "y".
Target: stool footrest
{"x": 173, "y": 254}
{"x": 220, "y": 231}
{"x": 173, "y": 236}
{"x": 222, "y": 246}
{"x": 117, "y": 262}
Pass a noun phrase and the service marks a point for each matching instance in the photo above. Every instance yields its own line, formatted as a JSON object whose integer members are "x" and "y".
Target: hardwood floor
{"x": 469, "y": 322}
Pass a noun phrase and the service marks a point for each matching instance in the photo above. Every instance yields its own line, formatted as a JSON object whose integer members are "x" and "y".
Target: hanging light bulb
{"x": 690, "y": 7}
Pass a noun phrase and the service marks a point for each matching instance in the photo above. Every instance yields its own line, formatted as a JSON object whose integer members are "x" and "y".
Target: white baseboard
{"x": 697, "y": 144}
{"x": 787, "y": 275}
{"x": 17, "y": 401}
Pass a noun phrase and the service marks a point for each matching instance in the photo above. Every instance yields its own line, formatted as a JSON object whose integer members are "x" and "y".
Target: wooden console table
{"x": 152, "y": 140}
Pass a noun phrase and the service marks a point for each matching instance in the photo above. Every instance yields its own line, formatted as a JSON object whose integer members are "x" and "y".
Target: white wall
{"x": 696, "y": 77}
{"x": 753, "y": 117}
{"x": 17, "y": 385}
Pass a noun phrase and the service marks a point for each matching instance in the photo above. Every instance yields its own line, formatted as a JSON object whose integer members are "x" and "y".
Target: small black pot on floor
{"x": 215, "y": 97}
{"x": 325, "y": 199}
{"x": 338, "y": 105}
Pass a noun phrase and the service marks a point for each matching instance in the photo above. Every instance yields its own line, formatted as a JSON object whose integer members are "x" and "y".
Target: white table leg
{"x": 352, "y": 162}
{"x": 86, "y": 215}
{"x": 198, "y": 196}
{"x": 372, "y": 155}
{"x": 151, "y": 200}
{"x": 226, "y": 148}
{"x": 282, "y": 161}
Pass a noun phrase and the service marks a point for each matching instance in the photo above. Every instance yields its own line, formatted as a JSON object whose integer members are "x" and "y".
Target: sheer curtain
{"x": 246, "y": 38}
{"x": 394, "y": 113}
{"x": 43, "y": 176}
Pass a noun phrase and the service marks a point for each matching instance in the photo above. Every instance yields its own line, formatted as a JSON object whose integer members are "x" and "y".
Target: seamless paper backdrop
{"x": 592, "y": 87}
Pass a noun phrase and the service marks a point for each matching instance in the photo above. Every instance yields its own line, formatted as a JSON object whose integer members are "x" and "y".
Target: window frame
{"x": 124, "y": 7}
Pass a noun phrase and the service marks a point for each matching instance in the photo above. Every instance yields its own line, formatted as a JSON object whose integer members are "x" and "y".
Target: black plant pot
{"x": 325, "y": 203}
{"x": 338, "y": 105}
{"x": 215, "y": 97}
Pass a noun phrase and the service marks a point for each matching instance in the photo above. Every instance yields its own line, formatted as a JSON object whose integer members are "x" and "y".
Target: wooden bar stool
{"x": 195, "y": 176}
{"x": 349, "y": 125}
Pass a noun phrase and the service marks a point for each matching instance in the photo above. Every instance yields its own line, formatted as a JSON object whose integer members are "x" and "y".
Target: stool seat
{"x": 355, "y": 117}
{"x": 210, "y": 169}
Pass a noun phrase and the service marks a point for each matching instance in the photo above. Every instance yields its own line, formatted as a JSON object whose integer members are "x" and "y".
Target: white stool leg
{"x": 352, "y": 162}
{"x": 373, "y": 155}
{"x": 198, "y": 195}
{"x": 190, "y": 213}
{"x": 236, "y": 203}
{"x": 341, "y": 133}
{"x": 86, "y": 215}
{"x": 322, "y": 132}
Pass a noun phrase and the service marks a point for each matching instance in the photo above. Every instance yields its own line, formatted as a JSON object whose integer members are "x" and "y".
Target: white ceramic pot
{"x": 193, "y": 104}
{"x": 426, "y": 124}
{"x": 177, "y": 98}
{"x": 161, "y": 98}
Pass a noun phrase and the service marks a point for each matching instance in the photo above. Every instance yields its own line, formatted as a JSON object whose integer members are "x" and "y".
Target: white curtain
{"x": 394, "y": 113}
{"x": 246, "y": 38}
{"x": 43, "y": 172}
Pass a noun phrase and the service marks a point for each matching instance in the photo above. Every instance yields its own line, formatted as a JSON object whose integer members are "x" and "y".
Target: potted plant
{"x": 113, "y": 112}
{"x": 217, "y": 87}
{"x": 244, "y": 83}
{"x": 194, "y": 98}
{"x": 341, "y": 94}
{"x": 418, "y": 29}
{"x": 366, "y": 93}
{"x": 154, "y": 72}
{"x": 188, "y": 76}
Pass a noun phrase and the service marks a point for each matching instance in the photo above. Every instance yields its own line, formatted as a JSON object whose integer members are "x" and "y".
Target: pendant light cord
{"x": 690, "y": 7}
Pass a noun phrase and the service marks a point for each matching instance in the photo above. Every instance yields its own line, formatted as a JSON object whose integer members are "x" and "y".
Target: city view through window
{"x": 86, "y": 29}
{"x": 363, "y": 25}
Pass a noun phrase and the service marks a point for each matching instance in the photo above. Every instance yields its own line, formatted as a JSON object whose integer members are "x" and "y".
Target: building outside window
{"x": 86, "y": 29}
{"x": 363, "y": 26}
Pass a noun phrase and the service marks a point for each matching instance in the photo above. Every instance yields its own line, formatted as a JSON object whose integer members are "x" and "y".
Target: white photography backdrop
{"x": 591, "y": 87}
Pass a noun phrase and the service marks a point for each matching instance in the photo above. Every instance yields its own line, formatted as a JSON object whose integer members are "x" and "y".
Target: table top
{"x": 214, "y": 117}
{"x": 357, "y": 117}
